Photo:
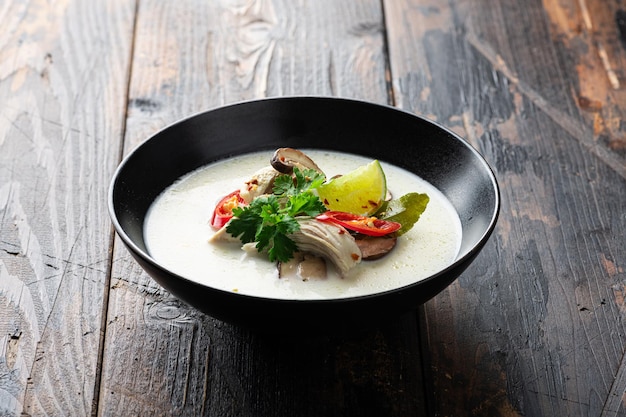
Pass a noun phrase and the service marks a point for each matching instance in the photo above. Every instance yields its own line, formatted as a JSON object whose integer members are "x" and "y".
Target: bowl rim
{"x": 459, "y": 260}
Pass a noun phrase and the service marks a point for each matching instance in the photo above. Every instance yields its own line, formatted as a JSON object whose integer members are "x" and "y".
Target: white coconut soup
{"x": 177, "y": 230}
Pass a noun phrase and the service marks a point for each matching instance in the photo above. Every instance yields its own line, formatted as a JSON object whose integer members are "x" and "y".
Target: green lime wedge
{"x": 361, "y": 191}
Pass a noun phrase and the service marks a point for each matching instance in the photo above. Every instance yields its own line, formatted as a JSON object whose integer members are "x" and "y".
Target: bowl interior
{"x": 410, "y": 142}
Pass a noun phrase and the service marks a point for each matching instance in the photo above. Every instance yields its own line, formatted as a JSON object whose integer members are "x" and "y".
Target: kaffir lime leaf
{"x": 361, "y": 191}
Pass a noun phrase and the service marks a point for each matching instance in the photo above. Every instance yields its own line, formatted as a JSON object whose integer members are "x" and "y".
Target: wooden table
{"x": 535, "y": 327}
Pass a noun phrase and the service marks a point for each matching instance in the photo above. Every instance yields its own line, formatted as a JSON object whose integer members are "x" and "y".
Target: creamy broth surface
{"x": 177, "y": 230}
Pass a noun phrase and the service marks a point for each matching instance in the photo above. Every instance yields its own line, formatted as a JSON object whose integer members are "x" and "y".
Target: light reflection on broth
{"x": 177, "y": 231}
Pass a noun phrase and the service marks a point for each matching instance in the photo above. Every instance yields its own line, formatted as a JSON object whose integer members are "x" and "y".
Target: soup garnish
{"x": 280, "y": 212}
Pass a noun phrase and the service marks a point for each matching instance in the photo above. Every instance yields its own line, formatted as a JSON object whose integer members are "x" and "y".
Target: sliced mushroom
{"x": 285, "y": 159}
{"x": 312, "y": 267}
{"x": 375, "y": 247}
{"x": 330, "y": 241}
{"x": 304, "y": 266}
{"x": 290, "y": 267}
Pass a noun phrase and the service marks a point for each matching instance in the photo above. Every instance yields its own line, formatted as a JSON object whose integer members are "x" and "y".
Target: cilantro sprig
{"x": 302, "y": 181}
{"x": 269, "y": 219}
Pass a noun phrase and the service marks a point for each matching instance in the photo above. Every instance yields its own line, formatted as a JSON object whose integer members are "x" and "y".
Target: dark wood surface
{"x": 535, "y": 327}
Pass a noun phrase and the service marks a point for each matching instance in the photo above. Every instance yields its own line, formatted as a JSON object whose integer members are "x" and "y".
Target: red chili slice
{"x": 224, "y": 209}
{"x": 370, "y": 226}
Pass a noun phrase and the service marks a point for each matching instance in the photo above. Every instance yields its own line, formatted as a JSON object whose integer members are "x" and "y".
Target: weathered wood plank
{"x": 246, "y": 50}
{"x": 535, "y": 326}
{"x": 162, "y": 357}
{"x": 603, "y": 24}
{"x": 592, "y": 33}
{"x": 63, "y": 71}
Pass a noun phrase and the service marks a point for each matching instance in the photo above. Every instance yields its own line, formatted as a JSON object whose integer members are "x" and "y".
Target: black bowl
{"x": 432, "y": 152}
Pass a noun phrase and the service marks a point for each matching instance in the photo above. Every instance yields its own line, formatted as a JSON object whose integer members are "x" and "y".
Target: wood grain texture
{"x": 593, "y": 35}
{"x": 63, "y": 67}
{"x": 535, "y": 326}
{"x": 161, "y": 357}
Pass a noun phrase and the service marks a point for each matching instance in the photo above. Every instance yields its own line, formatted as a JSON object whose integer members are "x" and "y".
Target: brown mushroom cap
{"x": 285, "y": 159}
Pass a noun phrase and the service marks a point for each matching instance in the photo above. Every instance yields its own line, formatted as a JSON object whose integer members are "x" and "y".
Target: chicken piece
{"x": 261, "y": 183}
{"x": 221, "y": 235}
{"x": 329, "y": 241}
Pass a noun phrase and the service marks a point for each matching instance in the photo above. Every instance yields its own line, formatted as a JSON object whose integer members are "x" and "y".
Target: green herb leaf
{"x": 406, "y": 210}
{"x": 307, "y": 179}
{"x": 302, "y": 181}
{"x": 269, "y": 219}
{"x": 246, "y": 222}
{"x": 283, "y": 248}
{"x": 283, "y": 184}
{"x": 305, "y": 204}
